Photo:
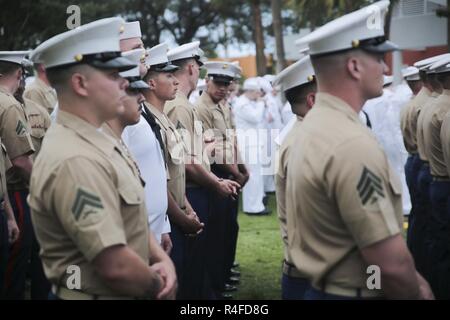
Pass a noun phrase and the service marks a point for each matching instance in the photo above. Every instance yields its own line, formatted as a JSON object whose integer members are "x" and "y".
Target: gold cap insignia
{"x": 78, "y": 57}
{"x": 225, "y": 66}
{"x": 355, "y": 43}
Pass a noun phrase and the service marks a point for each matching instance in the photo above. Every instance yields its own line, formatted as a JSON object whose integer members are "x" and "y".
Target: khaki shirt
{"x": 432, "y": 134}
{"x": 217, "y": 123}
{"x": 42, "y": 94}
{"x": 39, "y": 121}
{"x": 424, "y": 118}
{"x": 445, "y": 137}
{"x": 5, "y": 164}
{"x": 182, "y": 113}
{"x": 416, "y": 105}
{"x": 408, "y": 140}
{"x": 342, "y": 195}
{"x": 15, "y": 135}
{"x": 280, "y": 183}
{"x": 175, "y": 156}
{"x": 84, "y": 197}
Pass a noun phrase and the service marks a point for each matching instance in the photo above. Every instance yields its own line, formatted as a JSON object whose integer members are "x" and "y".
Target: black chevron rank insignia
{"x": 20, "y": 128}
{"x": 370, "y": 187}
{"x": 85, "y": 203}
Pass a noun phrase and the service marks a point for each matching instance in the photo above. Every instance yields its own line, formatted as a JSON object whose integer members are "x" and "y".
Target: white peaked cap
{"x": 411, "y": 73}
{"x": 424, "y": 64}
{"x": 96, "y": 43}
{"x": 363, "y": 29}
{"x": 17, "y": 57}
{"x": 131, "y": 30}
{"x": 186, "y": 51}
{"x": 222, "y": 68}
{"x": 251, "y": 84}
{"x": 297, "y": 74}
{"x": 136, "y": 56}
{"x": 441, "y": 66}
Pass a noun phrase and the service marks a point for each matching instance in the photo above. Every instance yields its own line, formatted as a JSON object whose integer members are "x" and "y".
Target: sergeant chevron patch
{"x": 370, "y": 187}
{"x": 85, "y": 203}
{"x": 20, "y": 128}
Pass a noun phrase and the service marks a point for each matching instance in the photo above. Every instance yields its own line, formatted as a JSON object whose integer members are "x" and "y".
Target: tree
{"x": 278, "y": 32}
{"x": 258, "y": 37}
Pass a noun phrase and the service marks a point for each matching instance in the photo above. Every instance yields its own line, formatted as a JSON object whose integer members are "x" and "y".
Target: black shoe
{"x": 234, "y": 273}
{"x": 265, "y": 200}
{"x": 233, "y": 280}
{"x": 235, "y": 264}
{"x": 226, "y": 296}
{"x": 229, "y": 288}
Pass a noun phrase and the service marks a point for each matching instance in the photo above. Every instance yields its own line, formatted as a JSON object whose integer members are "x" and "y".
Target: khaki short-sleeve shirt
{"x": 175, "y": 156}
{"x": 432, "y": 134}
{"x": 15, "y": 134}
{"x": 341, "y": 195}
{"x": 84, "y": 197}
{"x": 184, "y": 116}
{"x": 42, "y": 94}
{"x": 424, "y": 117}
{"x": 39, "y": 121}
{"x": 216, "y": 118}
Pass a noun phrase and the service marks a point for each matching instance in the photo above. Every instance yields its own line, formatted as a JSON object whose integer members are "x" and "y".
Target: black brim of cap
{"x": 384, "y": 47}
{"x": 119, "y": 63}
{"x": 138, "y": 85}
{"x": 166, "y": 68}
{"x": 221, "y": 78}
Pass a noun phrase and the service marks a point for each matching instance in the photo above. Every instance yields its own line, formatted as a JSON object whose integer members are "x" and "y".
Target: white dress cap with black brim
{"x": 136, "y": 56}
{"x": 238, "y": 69}
{"x": 425, "y": 64}
{"x": 222, "y": 71}
{"x": 361, "y": 29}
{"x": 411, "y": 74}
{"x": 95, "y": 43}
{"x": 441, "y": 66}
{"x": 17, "y": 57}
{"x": 157, "y": 60}
{"x": 187, "y": 51}
{"x": 131, "y": 30}
{"x": 297, "y": 74}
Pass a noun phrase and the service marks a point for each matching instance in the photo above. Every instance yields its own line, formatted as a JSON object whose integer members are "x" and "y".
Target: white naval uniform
{"x": 249, "y": 120}
{"x": 143, "y": 145}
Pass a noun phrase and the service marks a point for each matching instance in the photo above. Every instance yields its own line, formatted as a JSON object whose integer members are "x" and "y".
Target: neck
{"x": 154, "y": 100}
{"x": 116, "y": 126}
{"x": 345, "y": 91}
{"x": 9, "y": 86}
{"x": 82, "y": 110}
{"x": 43, "y": 78}
{"x": 184, "y": 85}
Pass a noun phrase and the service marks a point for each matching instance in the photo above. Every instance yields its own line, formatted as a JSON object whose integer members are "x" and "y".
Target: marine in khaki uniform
{"x": 436, "y": 144}
{"x": 298, "y": 84}
{"x": 9, "y": 232}
{"x": 343, "y": 199}
{"x": 201, "y": 183}
{"x": 87, "y": 200}
{"x": 15, "y": 135}
{"x": 215, "y": 114}
{"x": 40, "y": 91}
{"x": 162, "y": 87}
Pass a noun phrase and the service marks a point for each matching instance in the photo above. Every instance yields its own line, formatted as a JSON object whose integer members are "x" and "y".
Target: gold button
{"x": 122, "y": 29}
{"x": 310, "y": 78}
{"x": 355, "y": 43}
{"x": 78, "y": 57}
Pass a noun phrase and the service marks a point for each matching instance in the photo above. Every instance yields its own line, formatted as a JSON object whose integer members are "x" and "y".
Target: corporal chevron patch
{"x": 85, "y": 203}
{"x": 21, "y": 129}
{"x": 180, "y": 125}
{"x": 370, "y": 187}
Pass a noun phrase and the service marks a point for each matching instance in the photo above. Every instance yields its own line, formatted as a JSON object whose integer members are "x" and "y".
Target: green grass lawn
{"x": 260, "y": 254}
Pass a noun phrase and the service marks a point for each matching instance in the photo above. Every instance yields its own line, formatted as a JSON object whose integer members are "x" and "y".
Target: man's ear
{"x": 78, "y": 83}
{"x": 310, "y": 100}
{"x": 19, "y": 74}
{"x": 152, "y": 84}
{"x": 354, "y": 67}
